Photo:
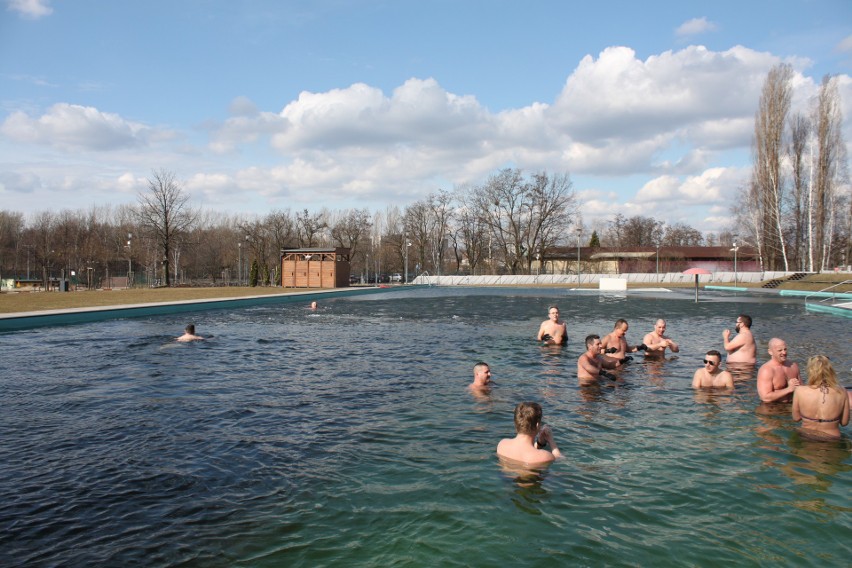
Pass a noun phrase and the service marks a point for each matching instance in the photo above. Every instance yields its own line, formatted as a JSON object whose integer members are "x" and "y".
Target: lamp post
{"x": 579, "y": 234}
{"x": 239, "y": 264}
{"x": 735, "y": 249}
{"x": 407, "y": 244}
{"x": 129, "y": 261}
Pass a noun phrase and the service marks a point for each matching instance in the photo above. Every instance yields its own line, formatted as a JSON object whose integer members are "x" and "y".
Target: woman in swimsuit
{"x": 822, "y": 405}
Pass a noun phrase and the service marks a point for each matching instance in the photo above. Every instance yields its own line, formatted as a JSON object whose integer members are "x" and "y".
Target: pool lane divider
{"x": 71, "y": 316}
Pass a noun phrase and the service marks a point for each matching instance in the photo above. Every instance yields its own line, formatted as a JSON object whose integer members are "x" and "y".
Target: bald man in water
{"x": 778, "y": 377}
{"x": 656, "y": 342}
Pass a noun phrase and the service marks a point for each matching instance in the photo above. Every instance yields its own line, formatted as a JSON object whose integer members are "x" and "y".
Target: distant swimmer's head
{"x": 314, "y": 305}
{"x": 190, "y": 329}
{"x": 481, "y": 373}
{"x": 621, "y": 326}
{"x": 553, "y": 312}
{"x": 743, "y": 321}
{"x": 527, "y": 418}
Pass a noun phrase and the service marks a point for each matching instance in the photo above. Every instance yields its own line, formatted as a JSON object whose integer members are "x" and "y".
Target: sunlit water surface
{"x": 346, "y": 436}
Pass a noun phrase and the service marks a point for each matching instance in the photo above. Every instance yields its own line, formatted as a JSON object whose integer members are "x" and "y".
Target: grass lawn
{"x": 14, "y": 302}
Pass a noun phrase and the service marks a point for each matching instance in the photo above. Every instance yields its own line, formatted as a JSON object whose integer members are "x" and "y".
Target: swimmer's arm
{"x": 546, "y": 432}
{"x": 765, "y": 387}
{"x": 608, "y": 362}
{"x": 731, "y": 346}
{"x": 729, "y": 380}
{"x": 844, "y": 417}
{"x": 673, "y": 346}
{"x": 540, "y": 333}
{"x": 696, "y": 379}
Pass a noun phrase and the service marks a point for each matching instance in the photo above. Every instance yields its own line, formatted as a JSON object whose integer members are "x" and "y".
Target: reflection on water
{"x": 819, "y": 461}
{"x": 348, "y": 436}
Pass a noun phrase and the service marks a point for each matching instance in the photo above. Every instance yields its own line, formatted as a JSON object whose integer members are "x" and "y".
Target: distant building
{"x": 623, "y": 260}
{"x": 315, "y": 268}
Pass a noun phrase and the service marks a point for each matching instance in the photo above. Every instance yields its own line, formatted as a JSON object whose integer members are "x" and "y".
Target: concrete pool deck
{"x": 68, "y": 316}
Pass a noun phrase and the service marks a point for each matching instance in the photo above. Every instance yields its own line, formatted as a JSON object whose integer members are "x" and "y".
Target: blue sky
{"x": 260, "y": 105}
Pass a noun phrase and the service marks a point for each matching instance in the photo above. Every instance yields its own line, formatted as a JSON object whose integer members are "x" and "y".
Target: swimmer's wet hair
{"x": 746, "y": 320}
{"x": 591, "y": 339}
{"x": 527, "y": 418}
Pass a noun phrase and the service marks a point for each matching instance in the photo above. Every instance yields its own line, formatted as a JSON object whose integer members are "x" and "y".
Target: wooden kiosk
{"x": 315, "y": 268}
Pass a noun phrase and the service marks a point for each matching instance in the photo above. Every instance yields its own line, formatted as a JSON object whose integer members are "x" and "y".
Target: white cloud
{"x": 619, "y": 97}
{"x": 33, "y": 9}
{"x": 695, "y": 26}
{"x": 845, "y": 44}
{"x": 668, "y": 125}
{"x": 74, "y": 127}
{"x": 713, "y": 185}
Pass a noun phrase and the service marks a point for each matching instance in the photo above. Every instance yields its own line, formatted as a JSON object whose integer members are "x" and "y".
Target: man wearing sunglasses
{"x": 711, "y": 376}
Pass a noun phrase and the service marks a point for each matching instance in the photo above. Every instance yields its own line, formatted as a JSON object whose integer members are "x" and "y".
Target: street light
{"x": 407, "y": 244}
{"x": 239, "y": 264}
{"x": 579, "y": 234}
{"x": 735, "y": 249}
{"x": 129, "y": 261}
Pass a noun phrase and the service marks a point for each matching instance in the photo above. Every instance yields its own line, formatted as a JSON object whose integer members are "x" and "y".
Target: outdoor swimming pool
{"x": 347, "y": 437}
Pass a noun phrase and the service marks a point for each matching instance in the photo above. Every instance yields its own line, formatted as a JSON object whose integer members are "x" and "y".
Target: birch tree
{"x": 827, "y": 170}
{"x": 768, "y": 154}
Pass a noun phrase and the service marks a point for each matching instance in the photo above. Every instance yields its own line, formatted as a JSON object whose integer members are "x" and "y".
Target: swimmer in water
{"x": 189, "y": 334}
{"x": 531, "y": 437}
{"x": 481, "y": 378}
{"x": 710, "y": 376}
{"x": 552, "y": 331}
{"x": 657, "y": 342}
{"x": 591, "y": 364}
{"x": 741, "y": 349}
{"x": 615, "y": 344}
{"x": 778, "y": 378}
{"x": 314, "y": 305}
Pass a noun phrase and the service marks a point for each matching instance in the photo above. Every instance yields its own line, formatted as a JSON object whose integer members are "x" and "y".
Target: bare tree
{"x": 523, "y": 216}
{"x": 441, "y": 213}
{"x": 165, "y": 212}
{"x": 682, "y": 235}
{"x": 800, "y": 128}
{"x": 311, "y": 226}
{"x": 11, "y": 228}
{"x": 767, "y": 172}
{"x": 829, "y": 142}
{"x": 636, "y": 231}
{"x": 551, "y": 206}
{"x": 472, "y": 230}
{"x": 349, "y": 228}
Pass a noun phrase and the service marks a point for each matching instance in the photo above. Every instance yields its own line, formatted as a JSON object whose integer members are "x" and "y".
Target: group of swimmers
{"x": 821, "y": 404}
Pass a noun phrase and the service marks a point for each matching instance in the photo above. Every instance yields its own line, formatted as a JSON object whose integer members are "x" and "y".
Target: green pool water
{"x": 346, "y": 437}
